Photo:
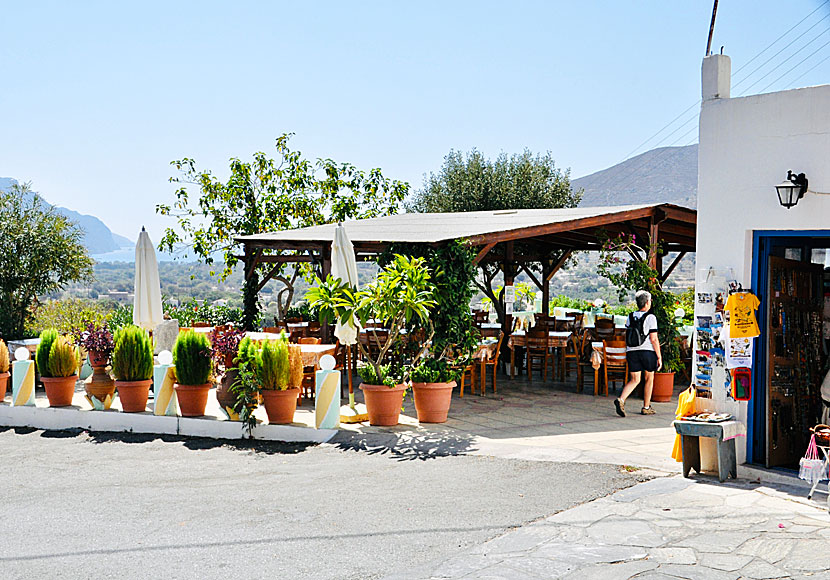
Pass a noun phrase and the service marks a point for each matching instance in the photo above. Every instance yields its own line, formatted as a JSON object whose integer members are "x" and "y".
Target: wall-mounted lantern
{"x": 791, "y": 190}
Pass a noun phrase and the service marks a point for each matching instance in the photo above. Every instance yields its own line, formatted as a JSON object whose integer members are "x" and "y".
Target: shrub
{"x": 63, "y": 358}
{"x": 246, "y": 353}
{"x": 68, "y": 316}
{"x": 273, "y": 365}
{"x": 47, "y": 337}
{"x": 192, "y": 357}
{"x": 433, "y": 370}
{"x": 4, "y": 357}
{"x": 295, "y": 366}
{"x": 132, "y": 357}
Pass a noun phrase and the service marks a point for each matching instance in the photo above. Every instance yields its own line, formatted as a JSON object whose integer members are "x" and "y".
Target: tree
{"x": 266, "y": 195}
{"x": 472, "y": 182}
{"x": 42, "y": 252}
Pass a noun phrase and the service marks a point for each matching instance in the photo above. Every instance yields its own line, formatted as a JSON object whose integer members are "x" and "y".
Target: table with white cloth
{"x": 556, "y": 340}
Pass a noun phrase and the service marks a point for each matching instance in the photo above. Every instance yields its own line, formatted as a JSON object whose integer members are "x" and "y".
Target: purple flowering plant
{"x": 94, "y": 337}
{"x": 224, "y": 341}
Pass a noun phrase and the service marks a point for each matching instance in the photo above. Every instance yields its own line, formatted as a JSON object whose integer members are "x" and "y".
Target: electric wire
{"x": 802, "y": 61}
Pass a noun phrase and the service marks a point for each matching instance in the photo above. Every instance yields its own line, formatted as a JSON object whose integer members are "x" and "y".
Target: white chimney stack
{"x": 716, "y": 75}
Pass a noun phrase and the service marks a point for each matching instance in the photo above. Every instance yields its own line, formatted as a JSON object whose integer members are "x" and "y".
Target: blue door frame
{"x": 762, "y": 242}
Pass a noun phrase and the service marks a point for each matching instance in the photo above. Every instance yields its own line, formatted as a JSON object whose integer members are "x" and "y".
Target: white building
{"x": 747, "y": 146}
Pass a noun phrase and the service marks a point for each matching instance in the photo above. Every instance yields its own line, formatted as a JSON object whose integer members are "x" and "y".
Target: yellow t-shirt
{"x": 742, "y": 322}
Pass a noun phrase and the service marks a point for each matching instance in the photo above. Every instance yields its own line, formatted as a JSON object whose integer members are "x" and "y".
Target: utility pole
{"x": 711, "y": 29}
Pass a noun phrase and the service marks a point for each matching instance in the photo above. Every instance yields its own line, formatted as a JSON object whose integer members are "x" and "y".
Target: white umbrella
{"x": 344, "y": 267}
{"x": 147, "y": 311}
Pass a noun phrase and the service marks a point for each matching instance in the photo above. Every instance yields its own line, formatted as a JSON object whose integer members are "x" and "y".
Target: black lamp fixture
{"x": 791, "y": 190}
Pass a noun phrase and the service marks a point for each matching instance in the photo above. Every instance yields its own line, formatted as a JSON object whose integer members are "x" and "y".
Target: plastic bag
{"x": 811, "y": 466}
{"x": 685, "y": 407}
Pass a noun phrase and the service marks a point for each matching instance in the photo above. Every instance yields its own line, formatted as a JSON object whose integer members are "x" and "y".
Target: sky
{"x": 99, "y": 97}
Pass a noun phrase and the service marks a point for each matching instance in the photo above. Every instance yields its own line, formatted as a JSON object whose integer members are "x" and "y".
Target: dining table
{"x": 557, "y": 339}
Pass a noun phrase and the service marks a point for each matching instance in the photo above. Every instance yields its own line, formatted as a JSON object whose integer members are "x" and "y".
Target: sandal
{"x": 647, "y": 411}
{"x": 620, "y": 405}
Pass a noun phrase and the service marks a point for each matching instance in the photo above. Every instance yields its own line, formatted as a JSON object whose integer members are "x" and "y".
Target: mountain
{"x": 667, "y": 174}
{"x": 98, "y": 238}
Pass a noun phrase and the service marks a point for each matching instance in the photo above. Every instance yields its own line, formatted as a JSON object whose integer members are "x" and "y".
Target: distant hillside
{"x": 667, "y": 174}
{"x": 98, "y": 238}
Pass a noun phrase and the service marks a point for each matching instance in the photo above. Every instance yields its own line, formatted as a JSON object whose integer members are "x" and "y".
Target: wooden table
{"x": 556, "y": 339}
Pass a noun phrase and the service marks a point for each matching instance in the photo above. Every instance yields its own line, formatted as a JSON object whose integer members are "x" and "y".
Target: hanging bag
{"x": 635, "y": 334}
{"x": 810, "y": 466}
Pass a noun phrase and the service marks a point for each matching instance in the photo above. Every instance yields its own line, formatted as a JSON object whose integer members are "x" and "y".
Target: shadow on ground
{"x": 408, "y": 446}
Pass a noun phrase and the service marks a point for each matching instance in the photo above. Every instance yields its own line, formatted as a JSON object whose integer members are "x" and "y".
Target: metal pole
{"x": 711, "y": 29}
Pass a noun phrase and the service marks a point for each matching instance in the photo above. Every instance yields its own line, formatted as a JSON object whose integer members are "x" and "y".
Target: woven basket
{"x": 822, "y": 433}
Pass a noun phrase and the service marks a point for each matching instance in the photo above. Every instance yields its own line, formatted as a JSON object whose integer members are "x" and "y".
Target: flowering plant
{"x": 224, "y": 342}
{"x": 94, "y": 338}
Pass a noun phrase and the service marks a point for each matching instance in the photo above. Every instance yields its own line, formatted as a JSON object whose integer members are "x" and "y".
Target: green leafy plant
{"x": 372, "y": 376}
{"x": 272, "y": 368}
{"x": 435, "y": 370}
{"x": 47, "y": 337}
{"x": 4, "y": 357}
{"x": 68, "y": 315}
{"x": 63, "y": 358}
{"x": 246, "y": 390}
{"x": 132, "y": 357}
{"x": 402, "y": 293}
{"x": 192, "y": 357}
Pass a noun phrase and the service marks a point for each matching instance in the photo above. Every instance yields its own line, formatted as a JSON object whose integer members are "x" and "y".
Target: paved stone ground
{"x": 664, "y": 528}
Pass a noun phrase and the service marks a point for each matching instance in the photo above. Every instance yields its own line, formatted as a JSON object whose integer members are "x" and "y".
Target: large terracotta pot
{"x": 4, "y": 384}
{"x": 383, "y": 403}
{"x": 98, "y": 358}
{"x": 432, "y": 401}
{"x": 224, "y": 395}
{"x": 192, "y": 399}
{"x": 280, "y": 405}
{"x": 59, "y": 390}
{"x": 99, "y": 384}
{"x": 663, "y": 387}
{"x": 133, "y": 395}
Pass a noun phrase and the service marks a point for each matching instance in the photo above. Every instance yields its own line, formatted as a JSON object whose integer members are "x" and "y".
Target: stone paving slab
{"x": 668, "y": 527}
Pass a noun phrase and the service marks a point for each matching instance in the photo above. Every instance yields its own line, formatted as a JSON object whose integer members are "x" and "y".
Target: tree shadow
{"x": 204, "y": 443}
{"x": 405, "y": 447}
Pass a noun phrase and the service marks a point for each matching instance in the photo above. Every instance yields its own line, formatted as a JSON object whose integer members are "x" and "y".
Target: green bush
{"x": 192, "y": 357}
{"x": 67, "y": 316}
{"x": 272, "y": 365}
{"x": 246, "y": 353}
{"x": 132, "y": 358}
{"x": 4, "y": 357}
{"x": 63, "y": 358}
{"x": 432, "y": 370}
{"x": 47, "y": 337}
{"x": 369, "y": 376}
{"x": 562, "y": 301}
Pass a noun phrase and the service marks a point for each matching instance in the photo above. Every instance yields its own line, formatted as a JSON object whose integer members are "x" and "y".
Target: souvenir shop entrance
{"x": 791, "y": 275}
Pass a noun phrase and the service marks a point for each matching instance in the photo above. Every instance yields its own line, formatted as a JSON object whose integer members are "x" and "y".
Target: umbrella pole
{"x": 349, "y": 372}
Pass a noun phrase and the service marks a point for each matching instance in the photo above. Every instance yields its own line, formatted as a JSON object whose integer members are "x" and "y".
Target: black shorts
{"x": 641, "y": 360}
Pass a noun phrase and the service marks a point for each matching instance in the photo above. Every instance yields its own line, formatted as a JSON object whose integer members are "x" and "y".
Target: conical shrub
{"x": 191, "y": 355}
{"x": 63, "y": 358}
{"x": 272, "y": 365}
{"x": 47, "y": 337}
{"x": 132, "y": 357}
{"x": 295, "y": 365}
{"x": 4, "y": 357}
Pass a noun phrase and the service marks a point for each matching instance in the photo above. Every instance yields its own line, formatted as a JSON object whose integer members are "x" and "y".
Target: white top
{"x": 649, "y": 326}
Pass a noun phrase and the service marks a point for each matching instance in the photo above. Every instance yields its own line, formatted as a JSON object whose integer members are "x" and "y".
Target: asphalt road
{"x": 77, "y": 505}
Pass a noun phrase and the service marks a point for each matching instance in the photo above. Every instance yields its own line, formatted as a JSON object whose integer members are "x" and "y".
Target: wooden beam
{"x": 672, "y": 266}
{"x": 654, "y": 260}
{"x": 531, "y": 275}
{"x": 282, "y": 259}
{"x": 558, "y": 265}
{"x": 483, "y": 252}
{"x": 267, "y": 278}
{"x": 252, "y": 264}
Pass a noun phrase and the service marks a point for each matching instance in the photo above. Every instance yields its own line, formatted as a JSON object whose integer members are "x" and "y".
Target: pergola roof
{"x": 677, "y": 226}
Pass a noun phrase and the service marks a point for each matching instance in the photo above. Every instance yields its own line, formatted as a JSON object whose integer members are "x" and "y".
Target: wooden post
{"x": 654, "y": 259}
{"x": 547, "y": 266}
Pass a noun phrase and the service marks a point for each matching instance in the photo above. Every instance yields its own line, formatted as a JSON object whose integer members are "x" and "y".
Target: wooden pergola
{"x": 511, "y": 240}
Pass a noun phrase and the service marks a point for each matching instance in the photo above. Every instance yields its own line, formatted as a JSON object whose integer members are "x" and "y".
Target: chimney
{"x": 715, "y": 76}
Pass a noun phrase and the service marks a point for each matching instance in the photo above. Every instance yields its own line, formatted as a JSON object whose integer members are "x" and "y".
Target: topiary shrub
{"x": 63, "y": 358}
{"x": 132, "y": 357}
{"x": 4, "y": 357}
{"x": 192, "y": 357}
{"x": 272, "y": 365}
{"x": 47, "y": 337}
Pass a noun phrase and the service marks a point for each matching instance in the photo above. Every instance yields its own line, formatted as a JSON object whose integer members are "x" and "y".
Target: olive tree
{"x": 43, "y": 252}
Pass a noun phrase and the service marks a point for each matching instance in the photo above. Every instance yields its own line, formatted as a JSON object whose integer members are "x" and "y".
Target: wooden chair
{"x": 494, "y": 362}
{"x": 614, "y": 362}
{"x": 314, "y": 329}
{"x": 308, "y": 340}
{"x": 604, "y": 329}
{"x": 201, "y": 325}
{"x": 469, "y": 371}
{"x": 537, "y": 349}
{"x": 271, "y": 329}
{"x": 584, "y": 363}
{"x": 579, "y": 320}
{"x": 570, "y": 358}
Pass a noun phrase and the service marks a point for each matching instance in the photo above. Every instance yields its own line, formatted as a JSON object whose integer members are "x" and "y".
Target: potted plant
{"x": 402, "y": 293}
{"x": 244, "y": 388}
{"x": 57, "y": 359}
{"x": 98, "y": 342}
{"x": 4, "y": 369}
{"x": 432, "y": 383}
{"x": 225, "y": 345}
{"x": 272, "y": 370}
{"x": 132, "y": 367}
{"x": 192, "y": 358}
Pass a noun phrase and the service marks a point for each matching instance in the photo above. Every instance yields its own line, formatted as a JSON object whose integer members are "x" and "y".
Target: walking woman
{"x": 642, "y": 351}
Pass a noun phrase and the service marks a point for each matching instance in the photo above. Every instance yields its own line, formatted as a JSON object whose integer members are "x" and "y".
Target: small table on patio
{"x": 556, "y": 339}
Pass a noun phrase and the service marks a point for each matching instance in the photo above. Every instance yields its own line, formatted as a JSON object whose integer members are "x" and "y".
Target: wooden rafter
{"x": 558, "y": 265}
{"x": 672, "y": 266}
{"x": 483, "y": 252}
{"x": 531, "y": 275}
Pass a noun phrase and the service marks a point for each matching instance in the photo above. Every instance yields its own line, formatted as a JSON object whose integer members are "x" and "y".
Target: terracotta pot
{"x": 59, "y": 390}
{"x": 99, "y": 384}
{"x": 224, "y": 395}
{"x": 133, "y": 395}
{"x": 280, "y": 405}
{"x": 98, "y": 358}
{"x": 383, "y": 403}
{"x": 432, "y": 401}
{"x": 663, "y": 387}
{"x": 4, "y": 383}
{"x": 192, "y": 399}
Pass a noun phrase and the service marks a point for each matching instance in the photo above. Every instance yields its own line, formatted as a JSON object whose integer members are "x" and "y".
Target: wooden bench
{"x": 690, "y": 433}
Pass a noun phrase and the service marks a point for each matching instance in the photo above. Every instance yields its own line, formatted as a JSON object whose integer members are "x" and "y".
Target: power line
{"x": 802, "y": 61}
{"x": 811, "y": 69}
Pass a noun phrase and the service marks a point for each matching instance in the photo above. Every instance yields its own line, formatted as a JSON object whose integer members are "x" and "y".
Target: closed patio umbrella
{"x": 147, "y": 311}
{"x": 344, "y": 267}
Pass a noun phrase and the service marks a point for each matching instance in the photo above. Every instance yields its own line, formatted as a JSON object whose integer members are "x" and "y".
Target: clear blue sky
{"x": 98, "y": 97}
